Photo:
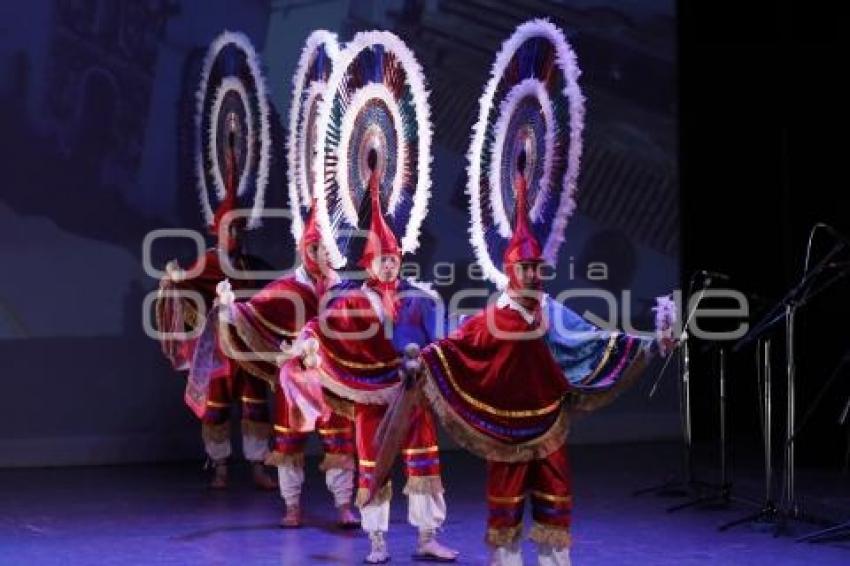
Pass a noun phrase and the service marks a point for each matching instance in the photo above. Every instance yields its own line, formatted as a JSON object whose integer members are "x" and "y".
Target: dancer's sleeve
{"x": 253, "y": 331}
{"x": 598, "y": 364}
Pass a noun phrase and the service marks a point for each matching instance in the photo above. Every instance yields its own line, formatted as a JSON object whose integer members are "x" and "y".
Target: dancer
{"x": 380, "y": 143}
{"x": 232, "y": 165}
{"x": 365, "y": 371}
{"x": 254, "y": 331}
{"x": 508, "y": 382}
{"x": 506, "y": 385}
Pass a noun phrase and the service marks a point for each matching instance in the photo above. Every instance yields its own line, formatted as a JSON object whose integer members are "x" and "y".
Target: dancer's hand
{"x": 224, "y": 293}
{"x": 667, "y": 344}
{"x": 174, "y": 272}
{"x": 411, "y": 367}
{"x": 289, "y": 350}
{"x": 310, "y": 354}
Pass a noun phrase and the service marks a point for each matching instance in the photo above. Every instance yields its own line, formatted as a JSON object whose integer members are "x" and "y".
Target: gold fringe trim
{"x": 276, "y": 458}
{"x": 337, "y": 462}
{"x": 384, "y": 495}
{"x": 559, "y": 537}
{"x": 374, "y": 397}
{"x": 554, "y": 406}
{"x": 587, "y": 402}
{"x": 505, "y": 536}
{"x": 159, "y": 311}
{"x": 430, "y": 485}
{"x": 161, "y": 304}
{"x": 489, "y": 448}
{"x": 339, "y": 405}
{"x": 256, "y": 429}
{"x": 216, "y": 432}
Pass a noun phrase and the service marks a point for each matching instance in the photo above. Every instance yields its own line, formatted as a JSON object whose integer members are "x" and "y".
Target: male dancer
{"x": 505, "y": 385}
{"x": 177, "y": 313}
{"x": 361, "y": 335}
{"x": 254, "y": 332}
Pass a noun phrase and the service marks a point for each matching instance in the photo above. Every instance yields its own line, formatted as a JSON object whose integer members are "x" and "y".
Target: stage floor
{"x": 163, "y": 514}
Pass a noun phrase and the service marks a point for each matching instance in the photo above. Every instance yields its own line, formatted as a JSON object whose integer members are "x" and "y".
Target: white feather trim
{"x": 299, "y": 192}
{"x": 566, "y": 61}
{"x": 241, "y": 42}
{"x": 416, "y": 80}
{"x": 666, "y": 314}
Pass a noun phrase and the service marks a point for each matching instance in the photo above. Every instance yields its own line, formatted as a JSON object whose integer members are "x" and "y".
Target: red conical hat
{"x": 229, "y": 202}
{"x": 311, "y": 233}
{"x": 381, "y": 239}
{"x": 523, "y": 246}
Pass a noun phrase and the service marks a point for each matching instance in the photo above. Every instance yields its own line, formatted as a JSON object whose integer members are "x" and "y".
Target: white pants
{"x": 253, "y": 448}
{"x": 507, "y": 555}
{"x": 547, "y": 555}
{"x": 425, "y": 511}
{"x": 291, "y": 478}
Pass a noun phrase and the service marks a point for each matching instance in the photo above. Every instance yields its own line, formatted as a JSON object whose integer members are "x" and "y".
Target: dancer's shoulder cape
{"x": 505, "y": 383}
{"x": 360, "y": 350}
{"x": 253, "y": 331}
{"x": 182, "y": 307}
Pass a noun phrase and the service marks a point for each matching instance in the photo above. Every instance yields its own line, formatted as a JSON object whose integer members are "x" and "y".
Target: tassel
{"x": 275, "y": 458}
{"x": 558, "y": 537}
{"x": 505, "y": 536}
{"x": 337, "y": 462}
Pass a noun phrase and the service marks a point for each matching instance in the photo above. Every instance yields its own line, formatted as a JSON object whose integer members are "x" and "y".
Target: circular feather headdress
{"x": 533, "y": 104}
{"x": 375, "y": 100}
{"x": 309, "y": 82}
{"x": 232, "y": 130}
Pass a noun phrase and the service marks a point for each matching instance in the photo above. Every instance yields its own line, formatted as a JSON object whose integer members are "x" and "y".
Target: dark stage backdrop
{"x": 96, "y": 100}
{"x": 762, "y": 162}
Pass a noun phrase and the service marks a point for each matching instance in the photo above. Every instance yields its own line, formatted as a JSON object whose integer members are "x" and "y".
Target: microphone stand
{"x": 842, "y": 529}
{"x": 672, "y": 486}
{"x": 786, "y": 310}
{"x": 768, "y": 513}
{"x": 720, "y": 495}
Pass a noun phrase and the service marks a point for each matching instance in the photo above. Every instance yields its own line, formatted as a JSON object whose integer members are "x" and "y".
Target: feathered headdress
{"x": 232, "y": 130}
{"x": 315, "y": 65}
{"x": 376, "y": 101}
{"x": 533, "y": 105}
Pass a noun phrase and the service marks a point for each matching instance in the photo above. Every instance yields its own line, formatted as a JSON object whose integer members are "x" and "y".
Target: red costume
{"x": 361, "y": 335}
{"x": 254, "y": 332}
{"x": 184, "y": 305}
{"x": 499, "y": 389}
